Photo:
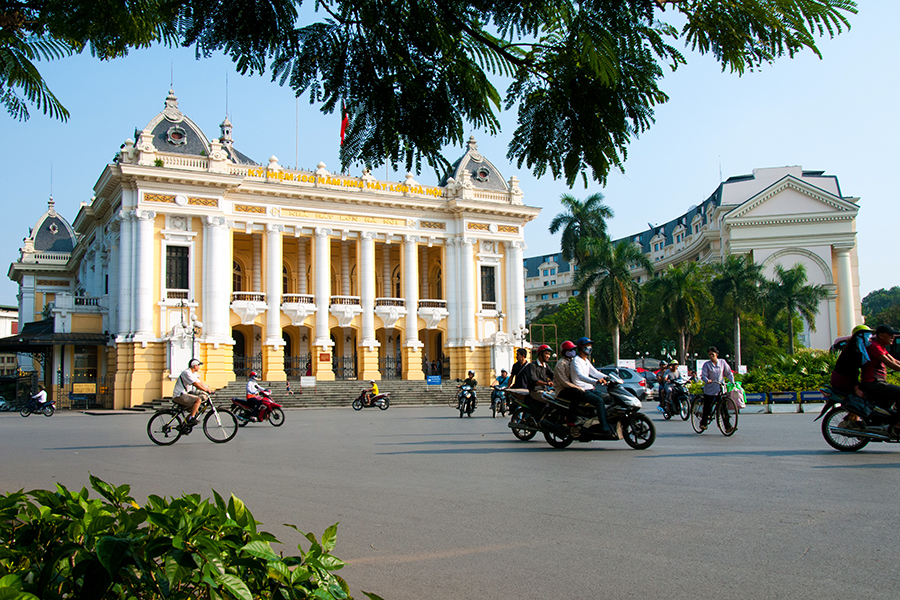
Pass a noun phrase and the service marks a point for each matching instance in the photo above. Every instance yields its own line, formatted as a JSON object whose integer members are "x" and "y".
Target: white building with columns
{"x": 190, "y": 249}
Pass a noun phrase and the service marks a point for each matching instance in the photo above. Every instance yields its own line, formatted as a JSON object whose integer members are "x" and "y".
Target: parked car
{"x": 634, "y": 381}
{"x": 4, "y": 405}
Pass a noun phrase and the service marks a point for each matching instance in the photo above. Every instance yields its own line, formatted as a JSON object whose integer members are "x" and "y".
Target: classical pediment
{"x": 791, "y": 199}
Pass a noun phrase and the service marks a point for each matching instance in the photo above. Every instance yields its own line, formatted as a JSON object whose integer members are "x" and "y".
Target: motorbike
{"x": 851, "y": 422}
{"x": 679, "y": 402}
{"x": 382, "y": 401}
{"x": 465, "y": 400}
{"x": 499, "y": 401}
{"x": 269, "y": 410}
{"x": 548, "y": 416}
{"x": 32, "y": 406}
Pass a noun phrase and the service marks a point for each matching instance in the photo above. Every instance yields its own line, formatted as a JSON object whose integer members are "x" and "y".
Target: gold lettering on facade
{"x": 259, "y": 210}
{"x": 203, "y": 202}
{"x": 159, "y": 198}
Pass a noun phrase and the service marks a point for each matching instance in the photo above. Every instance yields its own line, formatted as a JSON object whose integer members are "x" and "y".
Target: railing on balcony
{"x": 173, "y": 294}
{"x": 345, "y": 301}
{"x": 298, "y": 299}
{"x": 488, "y": 306}
{"x": 86, "y": 301}
{"x": 390, "y": 302}
{"x": 433, "y": 304}
{"x": 248, "y": 297}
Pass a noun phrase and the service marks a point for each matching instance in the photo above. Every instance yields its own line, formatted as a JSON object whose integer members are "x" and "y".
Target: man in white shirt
{"x": 186, "y": 383}
{"x": 585, "y": 376}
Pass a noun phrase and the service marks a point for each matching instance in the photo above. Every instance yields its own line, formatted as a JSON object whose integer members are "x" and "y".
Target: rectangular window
{"x": 544, "y": 296}
{"x": 177, "y": 267}
{"x": 553, "y": 271}
{"x": 552, "y": 282}
{"x": 488, "y": 286}
{"x": 85, "y": 367}
{"x": 575, "y": 292}
{"x": 546, "y": 272}
{"x": 555, "y": 295}
{"x": 546, "y": 283}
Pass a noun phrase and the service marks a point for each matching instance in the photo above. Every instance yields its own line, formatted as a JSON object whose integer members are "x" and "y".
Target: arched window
{"x": 237, "y": 277}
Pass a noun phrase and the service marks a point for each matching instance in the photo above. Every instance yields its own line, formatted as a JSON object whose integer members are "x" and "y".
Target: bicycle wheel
{"x": 697, "y": 413}
{"x": 220, "y": 425}
{"x": 277, "y": 417}
{"x": 164, "y": 428}
{"x": 727, "y": 416}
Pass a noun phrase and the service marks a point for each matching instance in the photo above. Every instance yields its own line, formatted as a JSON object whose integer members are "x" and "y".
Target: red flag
{"x": 345, "y": 119}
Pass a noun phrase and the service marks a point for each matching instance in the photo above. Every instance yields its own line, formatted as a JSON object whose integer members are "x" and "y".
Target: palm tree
{"x": 582, "y": 223}
{"x": 737, "y": 287}
{"x": 679, "y": 294}
{"x": 608, "y": 271}
{"x": 789, "y": 294}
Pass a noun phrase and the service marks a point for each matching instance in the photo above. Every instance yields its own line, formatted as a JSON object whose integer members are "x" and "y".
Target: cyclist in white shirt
{"x": 187, "y": 382}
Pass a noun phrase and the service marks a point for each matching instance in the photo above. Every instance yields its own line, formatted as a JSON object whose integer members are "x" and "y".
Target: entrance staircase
{"x": 336, "y": 394}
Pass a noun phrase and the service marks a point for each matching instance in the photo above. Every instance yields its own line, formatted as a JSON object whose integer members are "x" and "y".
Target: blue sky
{"x": 837, "y": 114}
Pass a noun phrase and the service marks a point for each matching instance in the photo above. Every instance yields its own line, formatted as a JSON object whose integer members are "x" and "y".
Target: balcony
{"x": 345, "y": 308}
{"x": 298, "y": 306}
{"x": 432, "y": 312}
{"x": 248, "y": 305}
{"x": 390, "y": 310}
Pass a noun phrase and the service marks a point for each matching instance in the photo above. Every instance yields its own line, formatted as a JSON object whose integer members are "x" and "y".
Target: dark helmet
{"x": 583, "y": 341}
{"x": 662, "y": 363}
{"x": 253, "y": 375}
{"x": 566, "y": 346}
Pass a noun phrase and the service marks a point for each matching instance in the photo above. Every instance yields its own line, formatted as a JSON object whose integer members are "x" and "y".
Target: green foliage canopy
{"x": 584, "y": 76}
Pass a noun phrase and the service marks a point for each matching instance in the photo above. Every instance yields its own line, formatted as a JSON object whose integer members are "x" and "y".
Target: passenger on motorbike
{"x": 585, "y": 376}
{"x": 562, "y": 381}
{"x": 845, "y": 376}
{"x": 254, "y": 400}
{"x": 371, "y": 392}
{"x": 668, "y": 383}
{"x": 537, "y": 376}
{"x": 874, "y": 372}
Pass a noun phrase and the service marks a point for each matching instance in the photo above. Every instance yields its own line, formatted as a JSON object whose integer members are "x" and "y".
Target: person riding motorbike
{"x": 667, "y": 383}
{"x": 873, "y": 379}
{"x": 845, "y": 376}
{"x": 502, "y": 381}
{"x": 371, "y": 392}
{"x": 585, "y": 376}
{"x": 562, "y": 381}
{"x": 473, "y": 383}
{"x": 254, "y": 399}
{"x": 537, "y": 376}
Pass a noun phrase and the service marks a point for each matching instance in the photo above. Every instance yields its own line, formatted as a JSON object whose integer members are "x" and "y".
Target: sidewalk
{"x": 780, "y": 409}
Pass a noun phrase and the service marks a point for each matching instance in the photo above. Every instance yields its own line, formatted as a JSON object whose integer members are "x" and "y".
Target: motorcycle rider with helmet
{"x": 502, "y": 381}
{"x": 473, "y": 383}
{"x": 667, "y": 384}
{"x": 537, "y": 376}
{"x": 371, "y": 392}
{"x": 254, "y": 400}
{"x": 586, "y": 376}
{"x": 562, "y": 380}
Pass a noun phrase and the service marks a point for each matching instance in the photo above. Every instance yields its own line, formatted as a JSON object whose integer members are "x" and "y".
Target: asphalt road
{"x": 436, "y": 507}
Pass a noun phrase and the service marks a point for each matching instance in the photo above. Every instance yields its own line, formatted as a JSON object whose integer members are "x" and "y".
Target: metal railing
{"x": 389, "y": 302}
{"x": 432, "y": 304}
{"x": 296, "y": 367}
{"x": 248, "y": 297}
{"x": 173, "y": 294}
{"x": 345, "y": 301}
{"x": 390, "y": 367}
{"x": 244, "y": 364}
{"x": 344, "y": 367}
{"x": 298, "y": 299}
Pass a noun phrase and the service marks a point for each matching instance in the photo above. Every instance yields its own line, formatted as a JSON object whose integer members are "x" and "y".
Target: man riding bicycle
{"x": 188, "y": 382}
{"x": 713, "y": 375}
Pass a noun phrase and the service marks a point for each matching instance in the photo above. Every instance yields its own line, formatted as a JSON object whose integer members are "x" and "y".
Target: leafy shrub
{"x": 61, "y": 544}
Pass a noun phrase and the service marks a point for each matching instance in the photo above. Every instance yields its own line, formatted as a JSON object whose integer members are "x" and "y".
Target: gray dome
{"x": 52, "y": 233}
{"x": 482, "y": 172}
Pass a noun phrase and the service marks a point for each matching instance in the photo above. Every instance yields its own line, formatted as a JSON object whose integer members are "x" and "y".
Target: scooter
{"x": 465, "y": 399}
{"x": 499, "y": 401}
{"x": 852, "y": 422}
{"x": 32, "y": 406}
{"x": 269, "y": 410}
{"x": 382, "y": 401}
{"x": 679, "y": 402}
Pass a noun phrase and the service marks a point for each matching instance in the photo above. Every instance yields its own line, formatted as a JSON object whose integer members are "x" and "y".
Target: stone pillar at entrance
{"x": 368, "y": 346}
{"x": 322, "y": 342}
{"x": 411, "y": 357}
{"x": 844, "y": 290}
{"x": 273, "y": 348}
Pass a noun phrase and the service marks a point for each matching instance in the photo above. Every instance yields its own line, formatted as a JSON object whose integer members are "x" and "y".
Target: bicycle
{"x": 724, "y": 410}
{"x": 167, "y": 425}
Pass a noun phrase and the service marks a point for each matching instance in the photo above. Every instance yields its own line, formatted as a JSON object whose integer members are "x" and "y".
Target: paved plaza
{"x": 433, "y": 507}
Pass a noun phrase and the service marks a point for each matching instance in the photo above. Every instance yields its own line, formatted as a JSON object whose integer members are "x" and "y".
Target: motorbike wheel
{"x": 684, "y": 409}
{"x": 697, "y": 413}
{"x": 357, "y": 404}
{"x": 462, "y": 408}
{"x": 385, "y": 404}
{"x": 48, "y": 410}
{"x": 470, "y": 408}
{"x": 494, "y": 408}
{"x": 666, "y": 414}
{"x": 558, "y": 441}
{"x": 276, "y": 418}
{"x": 164, "y": 428}
{"x": 840, "y": 441}
{"x": 728, "y": 411}
{"x": 639, "y": 431}
{"x": 220, "y": 426}
{"x": 26, "y": 410}
{"x": 241, "y": 415}
{"x": 521, "y": 416}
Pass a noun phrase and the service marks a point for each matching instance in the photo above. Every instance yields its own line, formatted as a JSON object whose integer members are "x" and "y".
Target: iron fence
{"x": 390, "y": 367}
{"x": 244, "y": 364}
{"x": 78, "y": 393}
{"x": 296, "y": 367}
{"x": 344, "y": 367}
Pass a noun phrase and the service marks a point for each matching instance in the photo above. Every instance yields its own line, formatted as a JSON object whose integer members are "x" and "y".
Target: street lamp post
{"x": 668, "y": 349}
{"x": 195, "y": 326}
{"x": 519, "y": 333}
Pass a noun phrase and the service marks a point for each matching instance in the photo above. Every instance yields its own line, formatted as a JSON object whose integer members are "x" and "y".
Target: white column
{"x": 367, "y": 288}
{"x": 301, "y": 266}
{"x": 423, "y": 273}
{"x": 143, "y": 282}
{"x": 123, "y": 327}
{"x": 112, "y": 268}
{"x": 323, "y": 287}
{"x": 845, "y": 290}
{"x": 345, "y": 268}
{"x": 516, "y": 280}
{"x": 411, "y": 290}
{"x": 451, "y": 289}
{"x": 387, "y": 291}
{"x": 467, "y": 308}
{"x": 274, "y": 275}
{"x": 99, "y": 283}
{"x": 217, "y": 264}
{"x": 257, "y": 263}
